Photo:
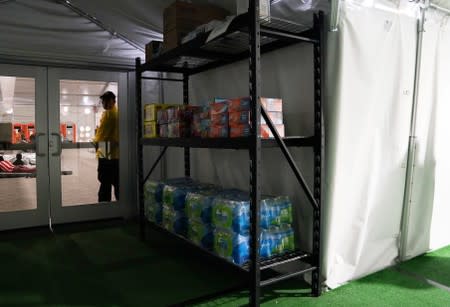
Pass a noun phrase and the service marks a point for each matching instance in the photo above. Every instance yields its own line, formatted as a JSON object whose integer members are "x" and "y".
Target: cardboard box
{"x": 151, "y": 111}
{"x": 164, "y": 130}
{"x": 266, "y": 133}
{"x": 6, "y": 133}
{"x": 152, "y": 50}
{"x": 150, "y": 129}
{"x": 239, "y": 104}
{"x": 172, "y": 39}
{"x": 241, "y": 130}
{"x": 272, "y": 104}
{"x": 178, "y": 130}
{"x": 276, "y": 117}
{"x": 219, "y": 131}
{"x": 181, "y": 18}
{"x": 187, "y": 16}
{"x": 264, "y": 8}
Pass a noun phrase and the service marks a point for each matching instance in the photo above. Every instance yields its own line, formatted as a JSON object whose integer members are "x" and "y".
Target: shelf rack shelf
{"x": 226, "y": 143}
{"x": 247, "y": 37}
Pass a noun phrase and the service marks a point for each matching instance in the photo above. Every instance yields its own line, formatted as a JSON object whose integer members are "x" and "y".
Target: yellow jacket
{"x": 107, "y": 135}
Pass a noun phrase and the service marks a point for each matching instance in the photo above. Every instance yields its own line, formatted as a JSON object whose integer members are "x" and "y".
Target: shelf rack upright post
{"x": 192, "y": 58}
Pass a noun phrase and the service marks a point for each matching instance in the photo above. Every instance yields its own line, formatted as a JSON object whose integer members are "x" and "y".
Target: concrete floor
{"x": 80, "y": 188}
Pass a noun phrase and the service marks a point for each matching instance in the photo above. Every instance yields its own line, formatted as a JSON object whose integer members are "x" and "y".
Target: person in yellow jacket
{"x": 106, "y": 142}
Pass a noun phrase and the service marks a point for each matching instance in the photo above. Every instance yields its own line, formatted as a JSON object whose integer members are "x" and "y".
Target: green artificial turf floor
{"x": 112, "y": 267}
{"x": 434, "y": 266}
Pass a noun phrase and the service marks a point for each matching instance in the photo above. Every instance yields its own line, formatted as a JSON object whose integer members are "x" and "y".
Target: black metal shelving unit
{"x": 247, "y": 37}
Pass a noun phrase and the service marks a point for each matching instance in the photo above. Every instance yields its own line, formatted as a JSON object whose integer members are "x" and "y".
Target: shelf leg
{"x": 318, "y": 150}
{"x": 140, "y": 162}
{"x": 187, "y": 153}
{"x": 255, "y": 152}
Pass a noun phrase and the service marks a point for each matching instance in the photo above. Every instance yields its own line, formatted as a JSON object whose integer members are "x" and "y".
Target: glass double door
{"x": 48, "y": 163}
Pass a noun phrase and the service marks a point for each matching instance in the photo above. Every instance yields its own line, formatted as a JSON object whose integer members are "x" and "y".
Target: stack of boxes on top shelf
{"x": 221, "y": 119}
{"x": 219, "y": 220}
{"x": 184, "y": 21}
{"x": 181, "y": 17}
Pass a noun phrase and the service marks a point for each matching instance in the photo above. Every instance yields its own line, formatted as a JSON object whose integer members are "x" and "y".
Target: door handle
{"x": 37, "y": 137}
{"x": 58, "y": 141}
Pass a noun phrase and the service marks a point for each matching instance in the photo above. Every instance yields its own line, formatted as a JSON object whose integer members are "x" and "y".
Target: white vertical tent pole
{"x": 335, "y": 15}
{"x": 412, "y": 144}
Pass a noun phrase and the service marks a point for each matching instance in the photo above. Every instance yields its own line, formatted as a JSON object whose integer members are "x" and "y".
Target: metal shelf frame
{"x": 197, "y": 56}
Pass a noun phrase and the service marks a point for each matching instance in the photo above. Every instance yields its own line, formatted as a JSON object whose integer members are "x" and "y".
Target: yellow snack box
{"x": 150, "y": 111}
{"x": 150, "y": 129}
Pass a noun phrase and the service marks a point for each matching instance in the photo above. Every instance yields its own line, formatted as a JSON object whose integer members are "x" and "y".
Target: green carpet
{"x": 108, "y": 267}
{"x": 434, "y": 266}
{"x": 386, "y": 288}
{"x": 112, "y": 267}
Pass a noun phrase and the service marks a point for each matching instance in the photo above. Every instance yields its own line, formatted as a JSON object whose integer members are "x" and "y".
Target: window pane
{"x": 80, "y": 114}
{"x": 17, "y": 129}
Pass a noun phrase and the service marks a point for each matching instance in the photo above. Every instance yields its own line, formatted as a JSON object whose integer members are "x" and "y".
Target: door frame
{"x": 79, "y": 213}
{"x": 40, "y": 215}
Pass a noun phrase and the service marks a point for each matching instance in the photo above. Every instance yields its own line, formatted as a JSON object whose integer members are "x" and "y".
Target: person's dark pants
{"x": 108, "y": 175}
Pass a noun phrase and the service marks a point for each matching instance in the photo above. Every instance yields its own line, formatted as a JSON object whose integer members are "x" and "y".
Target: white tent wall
{"x": 287, "y": 73}
{"x": 428, "y": 226}
{"x": 368, "y": 121}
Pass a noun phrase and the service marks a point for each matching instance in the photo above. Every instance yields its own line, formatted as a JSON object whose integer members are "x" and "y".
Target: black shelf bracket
{"x": 289, "y": 158}
{"x": 155, "y": 164}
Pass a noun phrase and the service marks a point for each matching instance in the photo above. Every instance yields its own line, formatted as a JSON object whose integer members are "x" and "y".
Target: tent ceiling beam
{"x": 439, "y": 8}
{"x": 99, "y": 23}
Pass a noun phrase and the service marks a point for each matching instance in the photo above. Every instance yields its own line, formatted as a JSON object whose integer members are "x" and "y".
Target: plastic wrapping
{"x": 277, "y": 241}
{"x": 231, "y": 210}
{"x": 175, "y": 194}
{"x": 276, "y": 211}
{"x": 231, "y": 245}
{"x": 199, "y": 205}
{"x": 236, "y": 247}
{"x": 201, "y": 234}
{"x": 174, "y": 220}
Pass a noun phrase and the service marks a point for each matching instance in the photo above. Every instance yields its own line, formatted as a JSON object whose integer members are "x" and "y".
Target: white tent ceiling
{"x": 101, "y": 32}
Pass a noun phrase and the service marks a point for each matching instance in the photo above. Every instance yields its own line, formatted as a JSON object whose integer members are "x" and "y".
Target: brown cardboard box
{"x": 180, "y": 18}
{"x": 184, "y": 15}
{"x": 172, "y": 39}
{"x": 152, "y": 50}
